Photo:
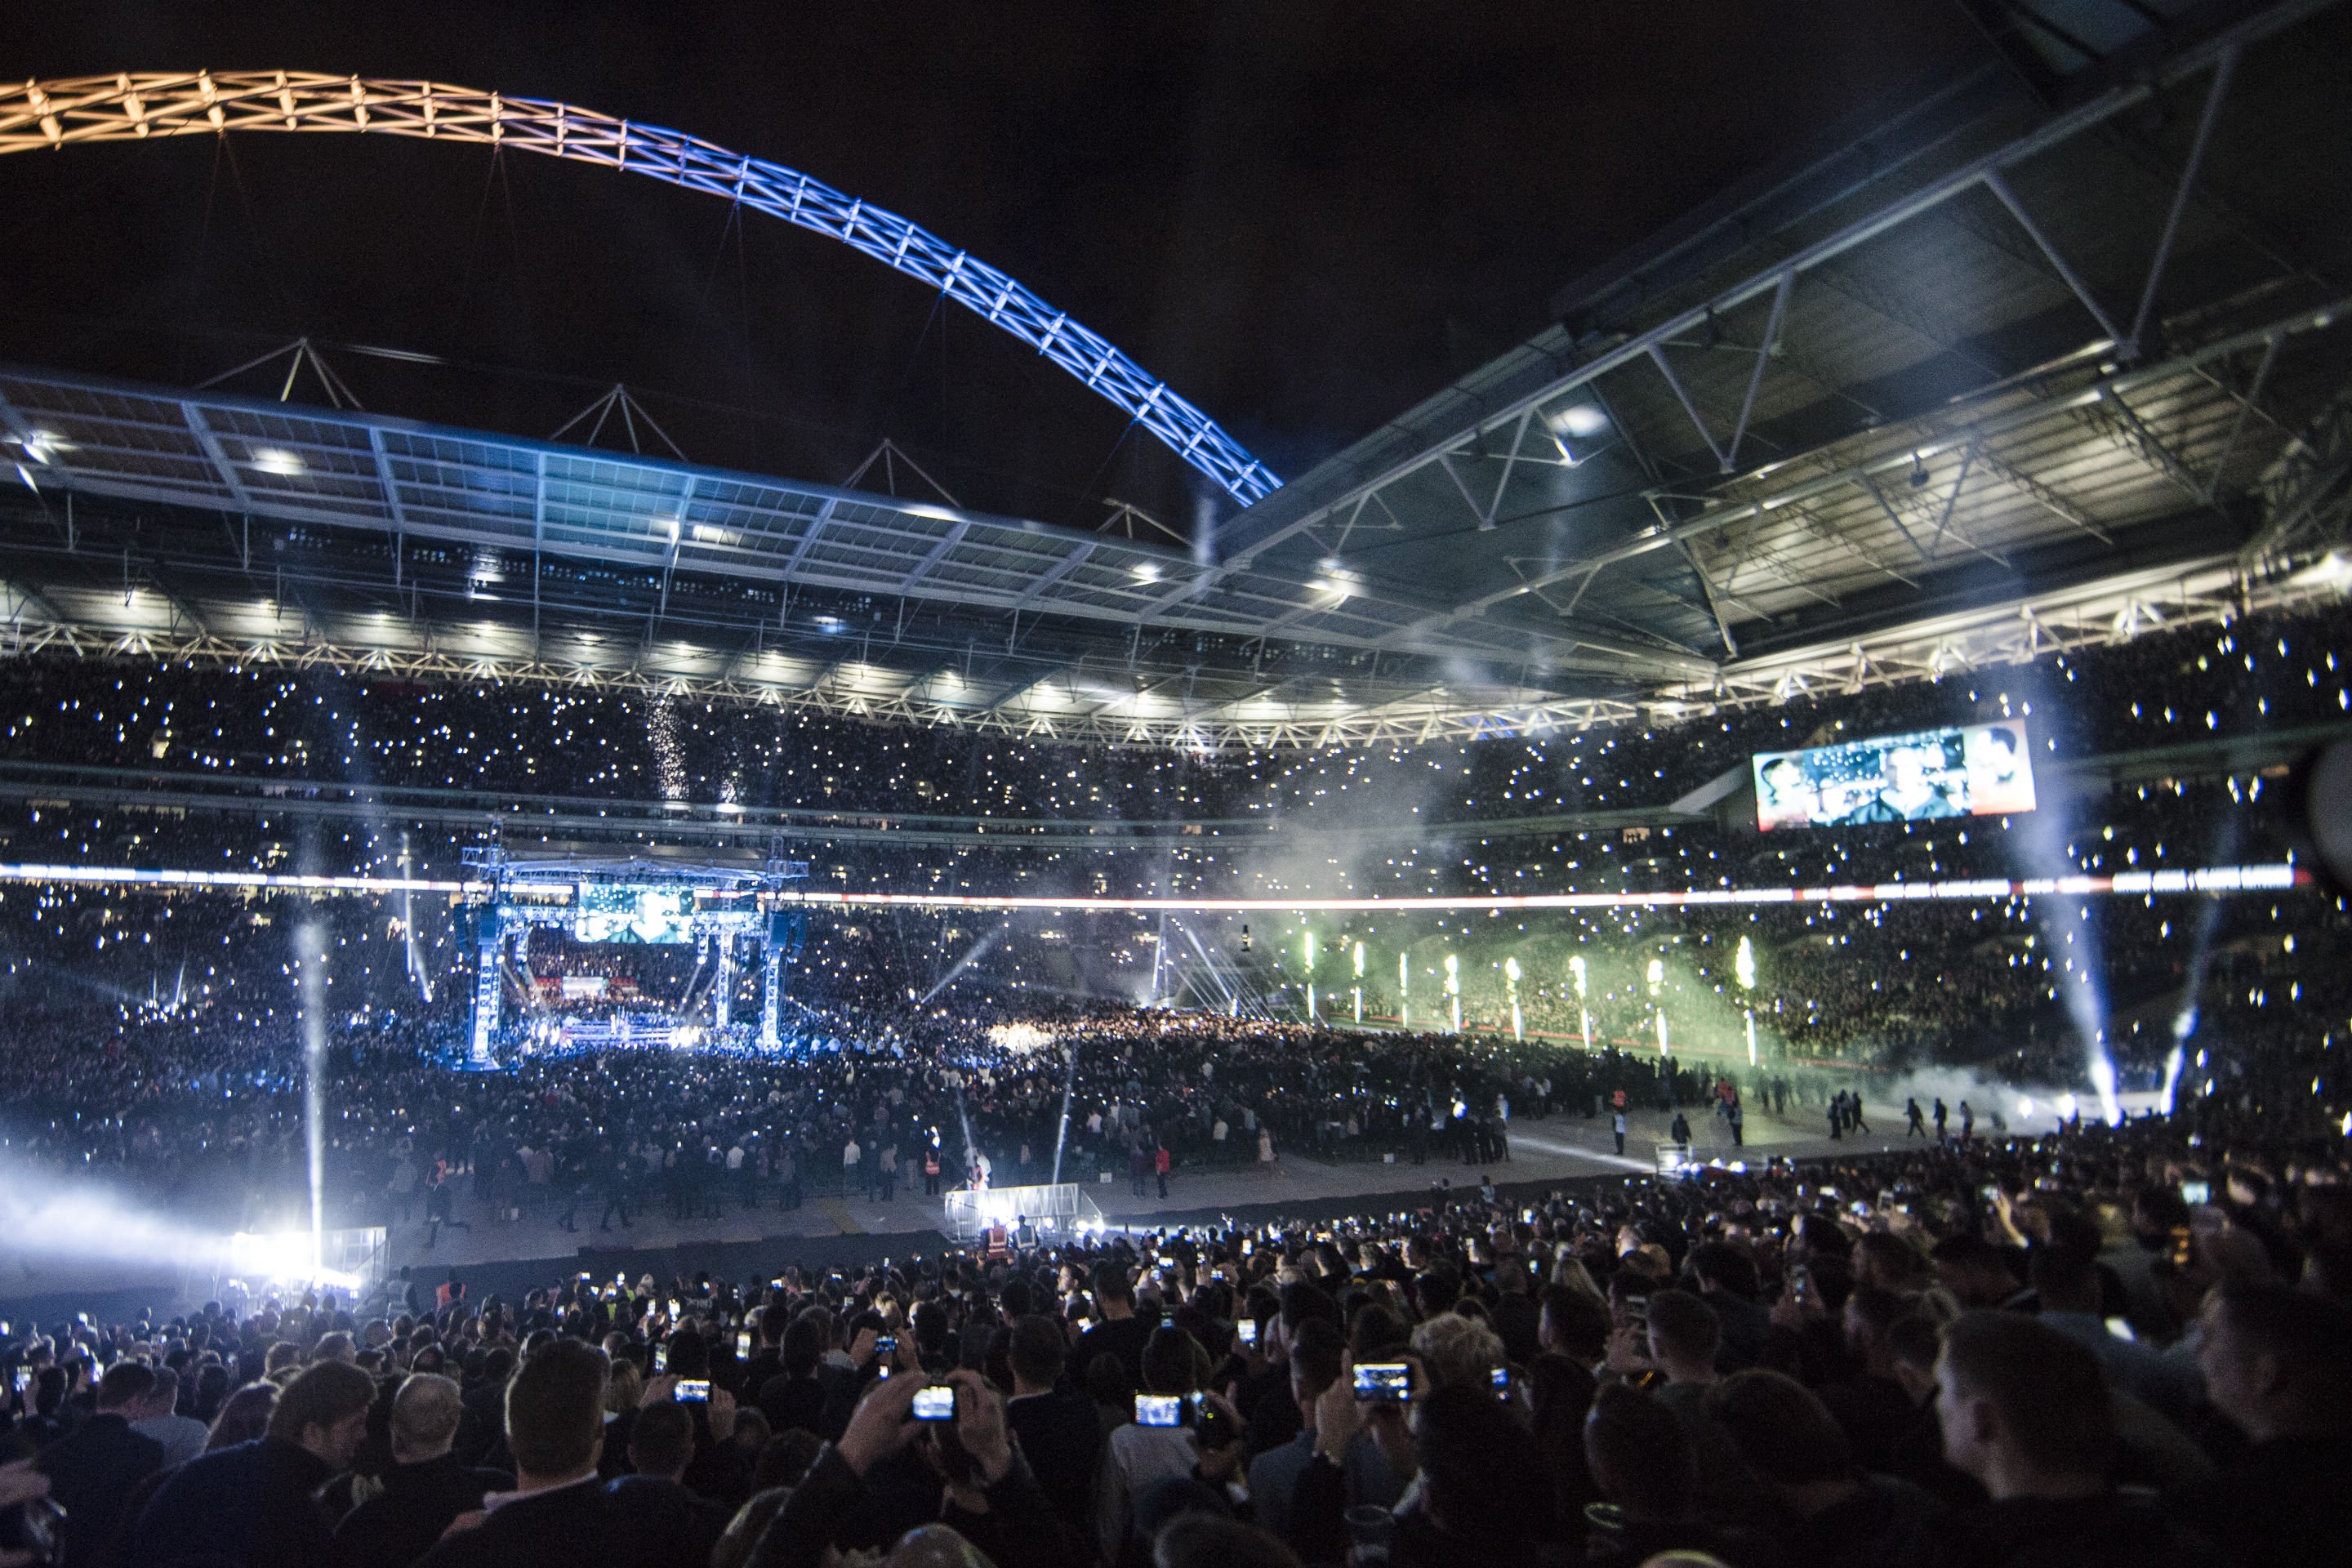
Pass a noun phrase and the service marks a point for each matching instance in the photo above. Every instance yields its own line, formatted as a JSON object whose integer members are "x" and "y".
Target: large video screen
{"x": 609, "y": 913}
{"x": 1977, "y": 770}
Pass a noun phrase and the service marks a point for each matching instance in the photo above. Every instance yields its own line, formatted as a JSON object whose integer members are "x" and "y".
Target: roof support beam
{"x": 948, "y": 540}
{"x": 2058, "y": 263}
{"x": 1987, "y": 428}
{"x": 2214, "y": 95}
{"x": 1055, "y": 573}
{"x": 1763, "y": 357}
{"x": 2058, "y": 129}
{"x": 1658, "y": 357}
{"x": 2247, "y": 404}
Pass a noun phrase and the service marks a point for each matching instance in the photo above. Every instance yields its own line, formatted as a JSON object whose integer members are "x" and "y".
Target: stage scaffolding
{"x": 714, "y": 907}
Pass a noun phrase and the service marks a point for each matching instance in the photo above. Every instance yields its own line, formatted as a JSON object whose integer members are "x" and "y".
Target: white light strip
{"x": 122, "y": 875}
{"x": 2210, "y": 879}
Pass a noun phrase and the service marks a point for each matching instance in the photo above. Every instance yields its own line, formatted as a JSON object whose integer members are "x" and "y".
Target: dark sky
{"x": 1305, "y": 218}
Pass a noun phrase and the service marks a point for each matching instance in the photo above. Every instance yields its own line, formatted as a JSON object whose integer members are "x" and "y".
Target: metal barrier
{"x": 1059, "y": 1210}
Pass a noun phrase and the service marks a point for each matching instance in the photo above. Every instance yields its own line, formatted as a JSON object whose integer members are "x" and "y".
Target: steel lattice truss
{"x": 130, "y": 106}
{"x": 1993, "y": 346}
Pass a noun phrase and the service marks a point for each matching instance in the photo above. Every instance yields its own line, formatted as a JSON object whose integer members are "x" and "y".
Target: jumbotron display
{"x": 1975, "y": 769}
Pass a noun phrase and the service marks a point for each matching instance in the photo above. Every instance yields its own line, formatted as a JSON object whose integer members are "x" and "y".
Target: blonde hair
{"x": 624, "y": 1388}
{"x": 1456, "y": 1352}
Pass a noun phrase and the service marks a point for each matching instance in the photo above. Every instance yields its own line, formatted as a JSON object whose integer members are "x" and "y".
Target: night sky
{"x": 1306, "y": 218}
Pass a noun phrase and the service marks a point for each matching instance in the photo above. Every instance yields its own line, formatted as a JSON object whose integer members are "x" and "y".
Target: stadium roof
{"x": 2060, "y": 351}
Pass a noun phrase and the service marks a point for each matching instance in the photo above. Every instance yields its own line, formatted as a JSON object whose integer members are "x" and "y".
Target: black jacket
{"x": 2106, "y": 1532}
{"x": 1063, "y": 1441}
{"x": 687, "y": 1526}
{"x": 399, "y": 1525}
{"x": 253, "y": 1505}
{"x": 2285, "y": 1502}
{"x": 1019, "y": 1530}
{"x": 91, "y": 1471}
{"x": 586, "y": 1522}
{"x": 790, "y": 1401}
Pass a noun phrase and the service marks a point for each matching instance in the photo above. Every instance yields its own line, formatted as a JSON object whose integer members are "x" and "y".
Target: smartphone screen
{"x": 1159, "y": 1410}
{"x": 1384, "y": 1382}
{"x": 661, "y": 1358}
{"x": 1501, "y": 1380}
{"x": 2195, "y": 1192}
{"x": 743, "y": 1344}
{"x": 692, "y": 1390}
{"x": 1248, "y": 1329}
{"x": 936, "y": 1402}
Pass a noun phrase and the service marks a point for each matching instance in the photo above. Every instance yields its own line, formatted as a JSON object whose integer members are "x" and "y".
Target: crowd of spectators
{"x": 2100, "y": 1346}
{"x": 156, "y": 1037}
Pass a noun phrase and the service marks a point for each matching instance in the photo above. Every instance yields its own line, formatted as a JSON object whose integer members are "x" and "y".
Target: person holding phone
{"x": 1140, "y": 1457}
{"x": 980, "y": 1466}
{"x": 1317, "y": 1356}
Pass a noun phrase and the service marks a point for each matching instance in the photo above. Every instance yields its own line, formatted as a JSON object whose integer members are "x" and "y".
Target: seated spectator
{"x": 2025, "y": 1411}
{"x": 249, "y": 1504}
{"x": 1833, "y": 1515}
{"x": 2278, "y": 1366}
{"x": 427, "y": 1486}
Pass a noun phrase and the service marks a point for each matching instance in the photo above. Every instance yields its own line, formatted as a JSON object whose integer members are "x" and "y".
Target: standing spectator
{"x": 2278, "y": 1366}
{"x": 1317, "y": 1359}
{"x": 2025, "y": 1411}
{"x": 1118, "y": 1331}
{"x": 1057, "y": 1429}
{"x": 183, "y": 1436}
{"x": 251, "y": 1505}
{"x": 93, "y": 1467}
{"x": 558, "y": 1516}
{"x": 1839, "y": 1517}
{"x": 427, "y": 1485}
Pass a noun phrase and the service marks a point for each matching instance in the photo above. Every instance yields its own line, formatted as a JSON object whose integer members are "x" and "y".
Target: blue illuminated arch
{"x": 128, "y": 108}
